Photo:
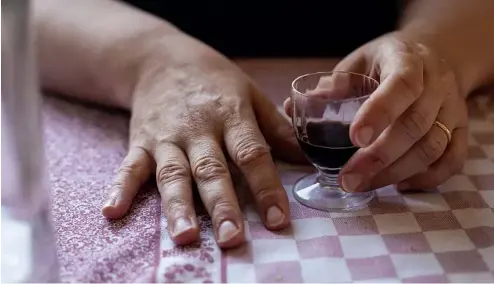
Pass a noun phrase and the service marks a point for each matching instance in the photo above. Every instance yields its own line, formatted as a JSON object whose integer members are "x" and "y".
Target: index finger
{"x": 335, "y": 86}
{"x": 402, "y": 84}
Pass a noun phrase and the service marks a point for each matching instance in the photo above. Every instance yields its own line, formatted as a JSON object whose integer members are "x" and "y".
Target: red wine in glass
{"x": 327, "y": 144}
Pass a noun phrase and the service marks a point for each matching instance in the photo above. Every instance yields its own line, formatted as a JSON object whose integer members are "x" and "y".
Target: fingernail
{"x": 227, "y": 231}
{"x": 364, "y": 136}
{"x": 351, "y": 182}
{"x": 181, "y": 226}
{"x": 110, "y": 202}
{"x": 275, "y": 216}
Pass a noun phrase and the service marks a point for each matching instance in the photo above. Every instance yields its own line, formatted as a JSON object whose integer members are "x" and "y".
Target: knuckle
{"x": 450, "y": 83}
{"x": 209, "y": 168}
{"x": 220, "y": 206}
{"x": 420, "y": 50}
{"x": 130, "y": 171}
{"x": 379, "y": 159}
{"x": 249, "y": 152}
{"x": 444, "y": 70}
{"x": 449, "y": 77}
{"x": 175, "y": 205}
{"x": 116, "y": 186}
{"x": 265, "y": 193}
{"x": 384, "y": 112}
{"x": 408, "y": 78}
{"x": 171, "y": 172}
{"x": 415, "y": 124}
{"x": 130, "y": 168}
{"x": 411, "y": 74}
{"x": 116, "y": 189}
{"x": 430, "y": 150}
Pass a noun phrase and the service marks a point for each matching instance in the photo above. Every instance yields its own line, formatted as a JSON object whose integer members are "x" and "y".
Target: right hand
{"x": 186, "y": 123}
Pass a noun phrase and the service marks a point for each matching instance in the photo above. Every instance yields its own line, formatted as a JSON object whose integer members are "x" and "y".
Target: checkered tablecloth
{"x": 445, "y": 235}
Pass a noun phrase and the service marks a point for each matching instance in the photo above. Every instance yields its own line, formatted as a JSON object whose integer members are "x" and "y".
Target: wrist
{"x": 460, "y": 50}
{"x": 133, "y": 61}
{"x": 176, "y": 62}
{"x": 168, "y": 59}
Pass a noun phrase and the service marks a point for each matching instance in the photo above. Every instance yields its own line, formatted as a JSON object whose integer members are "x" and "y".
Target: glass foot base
{"x": 309, "y": 192}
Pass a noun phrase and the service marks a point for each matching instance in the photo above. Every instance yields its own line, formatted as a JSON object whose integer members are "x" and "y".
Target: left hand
{"x": 400, "y": 144}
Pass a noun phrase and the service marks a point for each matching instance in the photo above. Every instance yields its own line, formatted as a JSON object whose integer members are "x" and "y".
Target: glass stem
{"x": 327, "y": 180}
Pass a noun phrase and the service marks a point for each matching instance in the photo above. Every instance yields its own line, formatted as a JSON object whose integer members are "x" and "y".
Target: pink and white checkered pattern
{"x": 445, "y": 235}
{"x": 441, "y": 236}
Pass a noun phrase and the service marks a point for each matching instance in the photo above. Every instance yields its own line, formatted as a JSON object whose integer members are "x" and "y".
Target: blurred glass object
{"x": 28, "y": 244}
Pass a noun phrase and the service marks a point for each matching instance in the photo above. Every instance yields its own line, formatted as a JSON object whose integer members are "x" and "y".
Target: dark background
{"x": 279, "y": 28}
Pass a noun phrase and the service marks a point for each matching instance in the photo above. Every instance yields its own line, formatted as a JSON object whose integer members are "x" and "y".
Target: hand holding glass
{"x": 324, "y": 105}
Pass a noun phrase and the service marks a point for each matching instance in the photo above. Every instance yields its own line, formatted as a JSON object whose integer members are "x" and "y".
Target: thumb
{"x": 277, "y": 130}
{"x": 132, "y": 174}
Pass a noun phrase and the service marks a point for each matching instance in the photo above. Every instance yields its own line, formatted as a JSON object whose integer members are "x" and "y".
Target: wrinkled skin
{"x": 186, "y": 125}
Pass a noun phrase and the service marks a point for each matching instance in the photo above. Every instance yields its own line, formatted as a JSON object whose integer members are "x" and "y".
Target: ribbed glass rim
{"x": 297, "y": 92}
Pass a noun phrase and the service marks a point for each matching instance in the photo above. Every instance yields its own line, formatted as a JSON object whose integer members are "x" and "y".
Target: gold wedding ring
{"x": 444, "y": 128}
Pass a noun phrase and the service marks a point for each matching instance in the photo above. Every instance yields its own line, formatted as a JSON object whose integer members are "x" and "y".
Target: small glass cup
{"x": 324, "y": 104}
